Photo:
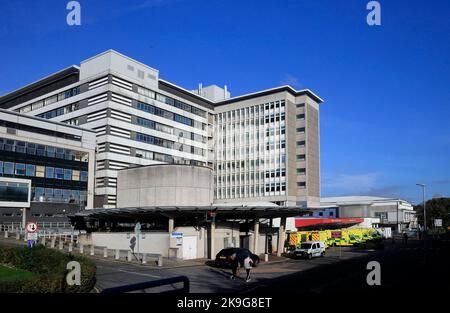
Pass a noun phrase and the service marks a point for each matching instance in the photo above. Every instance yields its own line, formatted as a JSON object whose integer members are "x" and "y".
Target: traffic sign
{"x": 32, "y": 236}
{"x": 31, "y": 227}
{"x": 438, "y": 222}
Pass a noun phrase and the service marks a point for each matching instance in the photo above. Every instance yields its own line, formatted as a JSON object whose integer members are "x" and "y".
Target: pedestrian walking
{"x": 405, "y": 238}
{"x": 248, "y": 263}
{"x": 234, "y": 262}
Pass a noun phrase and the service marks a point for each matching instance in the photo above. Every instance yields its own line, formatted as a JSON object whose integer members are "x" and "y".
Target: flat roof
{"x": 226, "y": 212}
{"x": 40, "y": 119}
{"x": 271, "y": 91}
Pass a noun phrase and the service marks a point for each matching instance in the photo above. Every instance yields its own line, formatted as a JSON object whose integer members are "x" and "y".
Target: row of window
{"x": 150, "y": 155}
{"x": 42, "y": 150}
{"x": 59, "y": 111}
{"x": 31, "y": 170}
{"x": 57, "y": 195}
{"x": 170, "y": 130}
{"x": 49, "y": 100}
{"x": 170, "y": 101}
{"x": 166, "y": 114}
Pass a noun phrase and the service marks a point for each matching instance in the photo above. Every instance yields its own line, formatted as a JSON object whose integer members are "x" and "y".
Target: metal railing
{"x": 152, "y": 284}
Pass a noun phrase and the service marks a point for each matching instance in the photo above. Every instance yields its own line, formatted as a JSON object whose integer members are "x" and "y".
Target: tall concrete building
{"x": 261, "y": 146}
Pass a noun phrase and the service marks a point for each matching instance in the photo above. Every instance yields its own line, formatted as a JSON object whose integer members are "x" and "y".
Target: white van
{"x": 310, "y": 249}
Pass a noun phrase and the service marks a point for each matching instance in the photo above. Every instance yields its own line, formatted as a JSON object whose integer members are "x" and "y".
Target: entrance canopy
{"x": 185, "y": 213}
{"x": 330, "y": 223}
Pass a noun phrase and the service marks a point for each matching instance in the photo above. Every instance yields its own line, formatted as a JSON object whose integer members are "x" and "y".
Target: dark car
{"x": 222, "y": 258}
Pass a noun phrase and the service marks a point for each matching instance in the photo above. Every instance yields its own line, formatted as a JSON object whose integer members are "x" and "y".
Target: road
{"x": 204, "y": 278}
{"x": 407, "y": 268}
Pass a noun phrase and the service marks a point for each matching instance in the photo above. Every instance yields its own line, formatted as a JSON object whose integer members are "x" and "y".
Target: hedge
{"x": 50, "y": 269}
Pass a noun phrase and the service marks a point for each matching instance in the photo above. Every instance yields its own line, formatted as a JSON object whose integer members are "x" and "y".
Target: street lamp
{"x": 424, "y": 207}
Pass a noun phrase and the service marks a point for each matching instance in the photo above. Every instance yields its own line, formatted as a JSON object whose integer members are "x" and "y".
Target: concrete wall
{"x": 154, "y": 242}
{"x": 165, "y": 185}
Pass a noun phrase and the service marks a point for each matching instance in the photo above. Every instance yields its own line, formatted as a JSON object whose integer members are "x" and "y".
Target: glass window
{"x": 60, "y": 153}
{"x": 59, "y": 173}
{"x": 8, "y": 168}
{"x": 51, "y": 152}
{"x": 40, "y": 171}
{"x": 84, "y": 176}
{"x": 38, "y": 192}
{"x": 49, "y": 193}
{"x": 67, "y": 174}
{"x": 1, "y": 167}
{"x": 75, "y": 175}
{"x": 58, "y": 194}
{"x": 40, "y": 150}
{"x": 30, "y": 169}
{"x": 49, "y": 172}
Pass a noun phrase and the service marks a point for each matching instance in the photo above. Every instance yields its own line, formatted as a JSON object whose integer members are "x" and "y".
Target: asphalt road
{"x": 418, "y": 267}
{"x": 208, "y": 279}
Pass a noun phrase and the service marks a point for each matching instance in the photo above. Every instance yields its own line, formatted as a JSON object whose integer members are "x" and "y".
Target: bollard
{"x": 43, "y": 241}
{"x": 52, "y": 244}
{"x": 6, "y": 234}
{"x": 117, "y": 254}
{"x": 17, "y": 236}
{"x": 92, "y": 250}
{"x": 160, "y": 261}
{"x": 129, "y": 256}
{"x": 266, "y": 257}
{"x": 61, "y": 245}
{"x": 105, "y": 252}
{"x": 70, "y": 247}
{"x": 144, "y": 258}
{"x": 81, "y": 248}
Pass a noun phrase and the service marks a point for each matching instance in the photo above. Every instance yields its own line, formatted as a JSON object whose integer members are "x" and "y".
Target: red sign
{"x": 31, "y": 227}
{"x": 303, "y": 222}
{"x": 336, "y": 234}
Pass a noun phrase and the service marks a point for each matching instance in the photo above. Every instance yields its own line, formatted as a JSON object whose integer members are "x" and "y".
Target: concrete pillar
{"x": 255, "y": 236}
{"x": 81, "y": 248}
{"x": 92, "y": 250}
{"x": 266, "y": 257}
{"x": 6, "y": 234}
{"x": 52, "y": 243}
{"x": 129, "y": 256}
{"x": 17, "y": 235}
{"x": 105, "y": 252}
{"x": 70, "y": 247}
{"x": 212, "y": 249}
{"x": 61, "y": 245}
{"x": 117, "y": 256}
{"x": 144, "y": 258}
{"x": 281, "y": 236}
{"x": 171, "y": 225}
{"x": 160, "y": 260}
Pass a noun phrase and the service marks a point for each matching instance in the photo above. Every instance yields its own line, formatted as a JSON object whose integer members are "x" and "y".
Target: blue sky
{"x": 385, "y": 120}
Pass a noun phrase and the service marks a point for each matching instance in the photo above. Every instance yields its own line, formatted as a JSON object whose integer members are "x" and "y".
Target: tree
{"x": 436, "y": 208}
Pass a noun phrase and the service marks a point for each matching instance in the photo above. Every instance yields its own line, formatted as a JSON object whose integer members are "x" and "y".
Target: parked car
{"x": 222, "y": 258}
{"x": 310, "y": 249}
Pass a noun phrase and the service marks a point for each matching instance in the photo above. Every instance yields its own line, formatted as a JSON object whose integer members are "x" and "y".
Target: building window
{"x": 300, "y": 105}
{"x": 301, "y": 143}
{"x": 75, "y": 175}
{"x": 67, "y": 174}
{"x": 301, "y": 157}
{"x": 40, "y": 171}
{"x": 30, "y": 170}
{"x": 301, "y": 130}
{"x": 300, "y": 116}
{"x": 84, "y": 176}
{"x": 301, "y": 185}
{"x": 8, "y": 168}
{"x": 59, "y": 173}
{"x": 301, "y": 171}
{"x": 49, "y": 172}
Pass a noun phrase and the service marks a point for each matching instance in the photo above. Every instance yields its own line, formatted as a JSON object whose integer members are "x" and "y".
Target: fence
{"x": 69, "y": 243}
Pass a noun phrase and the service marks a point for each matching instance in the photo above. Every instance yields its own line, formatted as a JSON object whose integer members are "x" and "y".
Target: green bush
{"x": 50, "y": 267}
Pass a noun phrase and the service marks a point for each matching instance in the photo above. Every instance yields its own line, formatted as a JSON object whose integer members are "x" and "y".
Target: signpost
{"x": 438, "y": 222}
{"x": 137, "y": 231}
{"x": 179, "y": 238}
{"x": 31, "y": 233}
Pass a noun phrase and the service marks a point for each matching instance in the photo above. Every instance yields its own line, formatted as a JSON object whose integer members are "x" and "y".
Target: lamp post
{"x": 424, "y": 207}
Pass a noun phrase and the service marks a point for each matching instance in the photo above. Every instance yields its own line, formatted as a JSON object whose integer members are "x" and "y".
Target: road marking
{"x": 128, "y": 272}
